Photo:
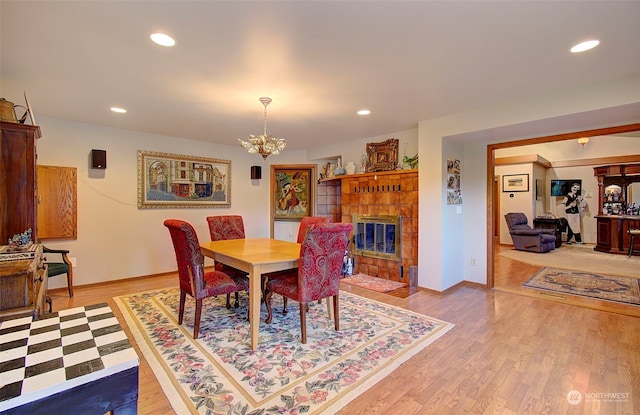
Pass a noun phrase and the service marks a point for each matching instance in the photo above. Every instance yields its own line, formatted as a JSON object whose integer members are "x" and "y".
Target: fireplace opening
{"x": 377, "y": 236}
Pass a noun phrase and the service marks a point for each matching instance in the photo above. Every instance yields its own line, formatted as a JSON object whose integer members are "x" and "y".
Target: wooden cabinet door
{"x": 57, "y": 202}
{"x": 17, "y": 179}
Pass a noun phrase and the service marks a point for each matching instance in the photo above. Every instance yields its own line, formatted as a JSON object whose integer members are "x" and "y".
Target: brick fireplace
{"x": 381, "y": 194}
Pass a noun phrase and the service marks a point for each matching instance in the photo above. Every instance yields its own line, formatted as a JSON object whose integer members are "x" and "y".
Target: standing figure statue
{"x": 573, "y": 203}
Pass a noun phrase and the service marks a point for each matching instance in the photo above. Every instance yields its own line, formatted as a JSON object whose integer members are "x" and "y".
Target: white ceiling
{"x": 320, "y": 61}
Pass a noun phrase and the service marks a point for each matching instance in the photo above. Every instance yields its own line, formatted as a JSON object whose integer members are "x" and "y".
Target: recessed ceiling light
{"x": 162, "y": 39}
{"x": 364, "y": 112}
{"x": 118, "y": 110}
{"x": 582, "y": 46}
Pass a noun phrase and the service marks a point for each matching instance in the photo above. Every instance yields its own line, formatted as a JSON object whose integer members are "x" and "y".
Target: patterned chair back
{"x": 187, "y": 248}
{"x": 225, "y": 227}
{"x": 320, "y": 264}
{"x": 306, "y": 222}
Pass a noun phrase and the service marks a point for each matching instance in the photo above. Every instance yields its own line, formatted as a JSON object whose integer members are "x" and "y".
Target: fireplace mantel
{"x": 372, "y": 174}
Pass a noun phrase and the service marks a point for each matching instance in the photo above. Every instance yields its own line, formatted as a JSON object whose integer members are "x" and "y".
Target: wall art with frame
{"x": 178, "y": 181}
{"x": 515, "y": 183}
{"x": 292, "y": 191}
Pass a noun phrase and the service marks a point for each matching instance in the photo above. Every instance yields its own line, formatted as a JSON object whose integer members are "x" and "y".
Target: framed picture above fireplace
{"x": 382, "y": 156}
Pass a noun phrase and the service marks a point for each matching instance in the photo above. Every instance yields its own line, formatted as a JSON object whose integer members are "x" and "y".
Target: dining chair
{"x": 222, "y": 228}
{"x": 302, "y": 231}
{"x": 318, "y": 274}
{"x": 193, "y": 280}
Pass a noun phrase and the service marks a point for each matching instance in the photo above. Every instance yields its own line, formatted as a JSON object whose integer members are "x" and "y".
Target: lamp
{"x": 264, "y": 144}
{"x": 583, "y": 140}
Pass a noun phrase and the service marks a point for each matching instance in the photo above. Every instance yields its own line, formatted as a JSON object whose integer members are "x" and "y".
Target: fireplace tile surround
{"x": 382, "y": 193}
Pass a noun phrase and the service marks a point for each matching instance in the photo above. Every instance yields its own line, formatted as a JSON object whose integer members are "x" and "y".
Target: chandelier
{"x": 264, "y": 144}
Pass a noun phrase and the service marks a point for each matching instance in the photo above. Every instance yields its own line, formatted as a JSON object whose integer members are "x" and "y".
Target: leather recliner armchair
{"x": 527, "y": 239}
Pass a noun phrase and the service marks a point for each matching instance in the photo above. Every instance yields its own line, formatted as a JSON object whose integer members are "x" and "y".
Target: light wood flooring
{"x": 508, "y": 354}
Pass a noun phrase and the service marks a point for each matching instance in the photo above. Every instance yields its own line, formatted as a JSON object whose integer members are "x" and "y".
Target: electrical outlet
{"x": 473, "y": 262}
{"x": 73, "y": 262}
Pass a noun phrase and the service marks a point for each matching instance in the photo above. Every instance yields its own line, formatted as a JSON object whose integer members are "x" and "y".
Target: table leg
{"x": 255, "y": 294}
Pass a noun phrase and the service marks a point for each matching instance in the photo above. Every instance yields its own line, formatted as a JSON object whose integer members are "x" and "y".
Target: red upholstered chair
{"x": 302, "y": 231}
{"x": 309, "y": 220}
{"x": 193, "y": 280}
{"x": 221, "y": 228}
{"x": 318, "y": 273}
{"x": 225, "y": 227}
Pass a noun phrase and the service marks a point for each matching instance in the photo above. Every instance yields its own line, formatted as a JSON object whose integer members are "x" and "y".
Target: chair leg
{"x": 303, "y": 322}
{"x": 284, "y": 307}
{"x": 183, "y": 299}
{"x": 237, "y": 303}
{"x": 267, "y": 301}
{"x": 631, "y": 245}
{"x": 196, "y": 319}
{"x": 70, "y": 281}
{"x": 336, "y": 312}
{"x": 228, "y": 300}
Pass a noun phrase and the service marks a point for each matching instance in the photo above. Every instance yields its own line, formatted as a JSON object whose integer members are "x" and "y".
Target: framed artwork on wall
{"x": 176, "y": 181}
{"x": 292, "y": 191}
{"x": 515, "y": 183}
{"x": 382, "y": 156}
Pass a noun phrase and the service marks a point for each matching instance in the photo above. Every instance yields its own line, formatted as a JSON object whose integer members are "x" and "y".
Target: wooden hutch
{"x": 612, "y": 220}
{"x": 23, "y": 277}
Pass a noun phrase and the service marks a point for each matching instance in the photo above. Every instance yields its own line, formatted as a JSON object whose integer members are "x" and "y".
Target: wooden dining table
{"x": 255, "y": 256}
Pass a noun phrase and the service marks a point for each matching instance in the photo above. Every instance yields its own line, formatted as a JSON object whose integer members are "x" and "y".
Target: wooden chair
{"x": 633, "y": 229}
{"x": 193, "y": 280}
{"x": 63, "y": 266}
{"x": 318, "y": 274}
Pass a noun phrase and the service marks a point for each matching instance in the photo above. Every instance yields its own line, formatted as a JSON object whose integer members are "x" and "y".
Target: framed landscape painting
{"x": 173, "y": 181}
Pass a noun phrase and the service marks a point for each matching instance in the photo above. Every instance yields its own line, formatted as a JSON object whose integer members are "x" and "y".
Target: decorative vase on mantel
{"x": 350, "y": 167}
{"x": 339, "y": 170}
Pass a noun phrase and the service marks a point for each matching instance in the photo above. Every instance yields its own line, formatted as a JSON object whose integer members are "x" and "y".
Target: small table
{"x": 255, "y": 256}
{"x": 75, "y": 361}
{"x": 559, "y": 224}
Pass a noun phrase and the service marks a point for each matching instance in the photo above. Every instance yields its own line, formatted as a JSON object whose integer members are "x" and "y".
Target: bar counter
{"x": 612, "y": 236}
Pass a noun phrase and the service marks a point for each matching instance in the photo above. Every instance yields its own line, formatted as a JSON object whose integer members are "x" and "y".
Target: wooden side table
{"x": 75, "y": 361}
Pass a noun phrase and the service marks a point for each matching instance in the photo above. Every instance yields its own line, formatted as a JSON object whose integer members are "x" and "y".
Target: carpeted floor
{"x": 373, "y": 283}
{"x": 586, "y": 284}
{"x": 220, "y": 374}
{"x": 580, "y": 258}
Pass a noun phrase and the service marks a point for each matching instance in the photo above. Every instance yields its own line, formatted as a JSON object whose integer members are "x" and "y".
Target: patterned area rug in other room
{"x": 600, "y": 286}
{"x": 220, "y": 374}
{"x": 373, "y": 283}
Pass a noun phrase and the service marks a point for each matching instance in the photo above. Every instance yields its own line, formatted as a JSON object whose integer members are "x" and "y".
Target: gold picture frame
{"x": 293, "y": 191}
{"x": 177, "y": 181}
{"x": 382, "y": 156}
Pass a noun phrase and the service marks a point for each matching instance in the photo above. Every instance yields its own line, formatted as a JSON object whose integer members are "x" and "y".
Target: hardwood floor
{"x": 508, "y": 354}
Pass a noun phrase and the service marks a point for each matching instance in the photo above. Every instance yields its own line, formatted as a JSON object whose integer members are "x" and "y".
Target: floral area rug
{"x": 220, "y": 374}
{"x": 373, "y": 283}
{"x": 600, "y": 286}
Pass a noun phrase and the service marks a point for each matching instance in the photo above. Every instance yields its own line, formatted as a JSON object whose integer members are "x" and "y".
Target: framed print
{"x": 292, "y": 190}
{"x": 515, "y": 183}
{"x": 382, "y": 156}
{"x": 178, "y": 181}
